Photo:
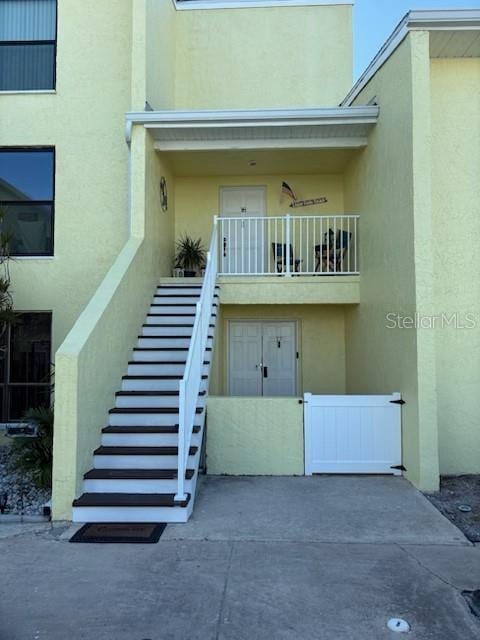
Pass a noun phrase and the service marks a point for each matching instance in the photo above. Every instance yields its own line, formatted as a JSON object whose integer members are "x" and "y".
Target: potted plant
{"x": 190, "y": 256}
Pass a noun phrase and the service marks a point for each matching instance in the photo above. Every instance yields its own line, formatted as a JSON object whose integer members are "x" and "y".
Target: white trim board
{"x": 435, "y": 20}
{"x": 192, "y": 5}
{"x": 211, "y": 121}
{"x": 242, "y": 117}
{"x": 260, "y": 144}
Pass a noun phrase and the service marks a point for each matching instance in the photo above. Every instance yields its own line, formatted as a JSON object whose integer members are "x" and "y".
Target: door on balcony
{"x": 262, "y": 358}
{"x": 243, "y": 235}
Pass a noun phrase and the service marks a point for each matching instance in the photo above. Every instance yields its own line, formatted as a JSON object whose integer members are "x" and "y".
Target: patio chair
{"x": 331, "y": 255}
{"x": 341, "y": 248}
{"x": 281, "y": 255}
{"x": 325, "y": 253}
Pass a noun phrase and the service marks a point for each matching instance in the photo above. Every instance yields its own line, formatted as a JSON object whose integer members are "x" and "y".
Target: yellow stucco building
{"x": 341, "y": 224}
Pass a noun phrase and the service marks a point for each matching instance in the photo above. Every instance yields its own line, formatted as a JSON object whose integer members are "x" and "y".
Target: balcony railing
{"x": 288, "y": 245}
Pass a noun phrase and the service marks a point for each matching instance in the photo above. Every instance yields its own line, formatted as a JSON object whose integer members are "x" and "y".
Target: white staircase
{"x": 136, "y": 468}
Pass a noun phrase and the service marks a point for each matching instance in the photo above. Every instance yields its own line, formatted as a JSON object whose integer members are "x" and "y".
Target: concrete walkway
{"x": 316, "y": 509}
{"x": 247, "y": 573}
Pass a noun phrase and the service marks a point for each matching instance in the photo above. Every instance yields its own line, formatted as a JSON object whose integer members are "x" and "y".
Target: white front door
{"x": 242, "y": 250}
{"x": 262, "y": 359}
{"x": 279, "y": 359}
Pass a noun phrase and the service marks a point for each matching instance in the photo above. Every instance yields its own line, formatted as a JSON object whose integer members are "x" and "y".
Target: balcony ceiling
{"x": 267, "y": 162}
{"x": 335, "y": 128}
{"x": 455, "y": 44}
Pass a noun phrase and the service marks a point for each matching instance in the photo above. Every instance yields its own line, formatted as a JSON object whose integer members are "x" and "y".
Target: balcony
{"x": 289, "y": 259}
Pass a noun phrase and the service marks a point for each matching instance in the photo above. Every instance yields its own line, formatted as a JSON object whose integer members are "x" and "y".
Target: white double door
{"x": 262, "y": 359}
{"x": 243, "y": 230}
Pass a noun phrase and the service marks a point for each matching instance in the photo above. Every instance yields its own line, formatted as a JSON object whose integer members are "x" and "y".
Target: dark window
{"x": 28, "y": 44}
{"x": 25, "y": 366}
{"x": 27, "y": 179}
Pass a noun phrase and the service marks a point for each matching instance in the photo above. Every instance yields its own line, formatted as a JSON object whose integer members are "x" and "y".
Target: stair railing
{"x": 192, "y": 378}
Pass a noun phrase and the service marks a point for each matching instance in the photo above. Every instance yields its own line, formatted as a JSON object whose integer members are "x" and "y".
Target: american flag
{"x": 288, "y": 191}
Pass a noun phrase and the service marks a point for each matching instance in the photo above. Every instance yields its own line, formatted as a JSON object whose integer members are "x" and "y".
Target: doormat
{"x": 118, "y": 533}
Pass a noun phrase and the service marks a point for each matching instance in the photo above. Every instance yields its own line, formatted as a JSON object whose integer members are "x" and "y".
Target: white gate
{"x": 352, "y": 434}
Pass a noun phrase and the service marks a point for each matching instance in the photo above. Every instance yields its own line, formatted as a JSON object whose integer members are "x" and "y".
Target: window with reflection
{"x": 25, "y": 357}
{"x": 28, "y": 34}
{"x": 27, "y": 178}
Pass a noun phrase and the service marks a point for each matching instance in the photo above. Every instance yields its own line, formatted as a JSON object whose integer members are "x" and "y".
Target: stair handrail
{"x": 190, "y": 384}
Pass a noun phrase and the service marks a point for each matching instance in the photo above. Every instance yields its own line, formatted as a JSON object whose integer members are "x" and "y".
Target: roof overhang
{"x": 192, "y": 5}
{"x": 439, "y": 22}
{"x": 336, "y": 128}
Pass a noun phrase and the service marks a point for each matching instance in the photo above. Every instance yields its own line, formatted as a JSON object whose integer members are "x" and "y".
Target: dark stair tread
{"x": 139, "y": 410}
{"x": 166, "y": 348}
{"x": 152, "y": 393}
{"x": 136, "y": 474}
{"x": 183, "y": 286}
{"x": 140, "y": 451}
{"x": 129, "y": 500}
{"x": 146, "y": 377}
{"x": 167, "y": 337}
{"x": 179, "y": 286}
{"x": 177, "y": 304}
{"x": 161, "y": 348}
{"x": 146, "y": 428}
{"x": 158, "y": 362}
{"x": 181, "y": 295}
{"x": 169, "y": 325}
{"x": 175, "y": 315}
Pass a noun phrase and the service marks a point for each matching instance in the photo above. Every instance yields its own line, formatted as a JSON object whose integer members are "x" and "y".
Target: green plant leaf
{"x": 35, "y": 455}
{"x": 190, "y": 253}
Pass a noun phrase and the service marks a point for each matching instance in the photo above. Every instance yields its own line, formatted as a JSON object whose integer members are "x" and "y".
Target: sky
{"x": 376, "y": 19}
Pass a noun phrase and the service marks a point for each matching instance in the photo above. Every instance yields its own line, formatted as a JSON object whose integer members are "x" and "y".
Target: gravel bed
{"x": 455, "y": 492}
{"x": 23, "y": 497}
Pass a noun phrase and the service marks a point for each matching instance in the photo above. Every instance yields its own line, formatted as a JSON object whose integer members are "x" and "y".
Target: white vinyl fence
{"x": 353, "y": 434}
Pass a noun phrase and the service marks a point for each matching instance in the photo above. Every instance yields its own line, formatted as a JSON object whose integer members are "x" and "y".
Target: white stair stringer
{"x": 134, "y": 474}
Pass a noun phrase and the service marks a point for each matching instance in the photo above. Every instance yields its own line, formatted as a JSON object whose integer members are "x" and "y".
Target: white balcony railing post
{"x": 180, "y": 495}
{"x": 288, "y": 246}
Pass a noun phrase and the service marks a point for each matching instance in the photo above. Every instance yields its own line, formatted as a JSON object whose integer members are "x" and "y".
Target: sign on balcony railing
{"x": 288, "y": 245}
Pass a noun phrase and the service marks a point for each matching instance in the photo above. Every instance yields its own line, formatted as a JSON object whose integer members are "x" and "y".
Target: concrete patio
{"x": 301, "y": 559}
{"x": 315, "y": 509}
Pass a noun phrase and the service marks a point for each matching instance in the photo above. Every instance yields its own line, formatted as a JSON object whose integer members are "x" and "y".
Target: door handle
{"x": 224, "y": 247}
{"x": 265, "y": 372}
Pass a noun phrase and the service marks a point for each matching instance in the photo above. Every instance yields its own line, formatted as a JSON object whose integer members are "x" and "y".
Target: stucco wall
{"x": 263, "y": 57}
{"x": 255, "y": 436}
{"x": 197, "y": 198}
{"x": 160, "y": 53}
{"x": 455, "y": 103}
{"x": 384, "y": 184}
{"x": 84, "y": 120}
{"x": 309, "y": 290}
{"x": 320, "y": 340}
{"x": 244, "y": 58}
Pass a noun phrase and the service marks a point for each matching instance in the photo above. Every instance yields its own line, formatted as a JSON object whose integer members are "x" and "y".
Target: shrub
{"x": 34, "y": 455}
